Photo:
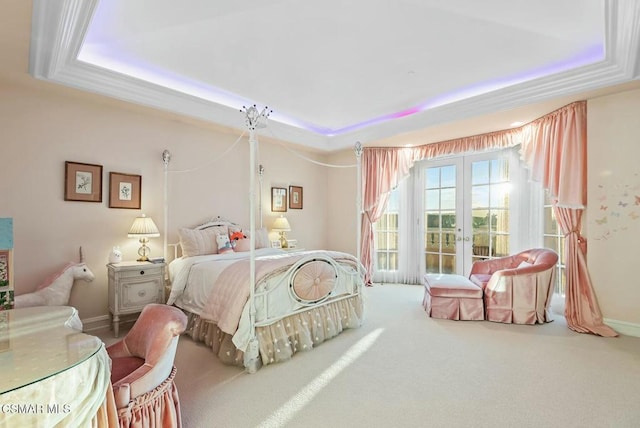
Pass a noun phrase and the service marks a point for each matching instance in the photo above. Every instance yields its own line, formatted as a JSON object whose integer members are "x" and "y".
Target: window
{"x": 554, "y": 239}
{"x": 386, "y": 235}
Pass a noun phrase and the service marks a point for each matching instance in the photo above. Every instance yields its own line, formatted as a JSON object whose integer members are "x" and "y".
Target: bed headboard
{"x": 212, "y": 222}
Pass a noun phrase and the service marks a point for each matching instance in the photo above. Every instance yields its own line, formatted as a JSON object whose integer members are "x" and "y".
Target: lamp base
{"x": 283, "y": 241}
{"x": 143, "y": 251}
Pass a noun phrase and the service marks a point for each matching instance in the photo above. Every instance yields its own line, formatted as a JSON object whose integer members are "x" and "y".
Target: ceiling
{"x": 336, "y": 72}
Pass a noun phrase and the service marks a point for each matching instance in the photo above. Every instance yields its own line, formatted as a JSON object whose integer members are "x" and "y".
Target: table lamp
{"x": 143, "y": 228}
{"x": 282, "y": 226}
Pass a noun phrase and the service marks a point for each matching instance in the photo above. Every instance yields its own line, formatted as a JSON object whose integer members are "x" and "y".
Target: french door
{"x": 466, "y": 210}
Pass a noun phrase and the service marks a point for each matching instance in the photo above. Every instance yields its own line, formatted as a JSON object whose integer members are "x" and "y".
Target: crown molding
{"x": 58, "y": 29}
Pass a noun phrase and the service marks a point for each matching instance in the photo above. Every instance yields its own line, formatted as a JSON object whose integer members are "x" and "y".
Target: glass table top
{"x": 36, "y": 343}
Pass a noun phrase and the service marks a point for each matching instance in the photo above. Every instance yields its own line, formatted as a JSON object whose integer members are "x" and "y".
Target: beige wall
{"x": 614, "y": 182}
{"x": 44, "y": 125}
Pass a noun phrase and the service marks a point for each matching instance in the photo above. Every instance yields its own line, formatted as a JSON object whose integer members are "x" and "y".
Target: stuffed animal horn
{"x": 81, "y": 255}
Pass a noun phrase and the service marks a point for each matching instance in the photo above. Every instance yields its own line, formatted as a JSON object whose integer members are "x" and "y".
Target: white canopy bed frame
{"x": 307, "y": 287}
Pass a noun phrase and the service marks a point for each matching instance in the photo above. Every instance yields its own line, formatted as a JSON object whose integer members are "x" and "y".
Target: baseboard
{"x": 623, "y": 327}
{"x": 95, "y": 323}
{"x": 104, "y": 321}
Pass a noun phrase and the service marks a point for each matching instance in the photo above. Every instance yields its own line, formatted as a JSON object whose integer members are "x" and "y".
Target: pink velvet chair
{"x": 518, "y": 288}
{"x": 142, "y": 369}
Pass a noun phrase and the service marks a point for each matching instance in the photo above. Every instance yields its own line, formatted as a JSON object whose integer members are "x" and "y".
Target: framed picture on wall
{"x": 278, "y": 199}
{"x": 82, "y": 182}
{"x": 295, "y": 197}
{"x": 125, "y": 190}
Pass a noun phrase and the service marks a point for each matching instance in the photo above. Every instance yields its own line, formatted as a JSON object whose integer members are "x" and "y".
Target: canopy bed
{"x": 297, "y": 299}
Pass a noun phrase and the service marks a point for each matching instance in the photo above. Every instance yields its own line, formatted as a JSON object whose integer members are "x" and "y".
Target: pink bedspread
{"x": 231, "y": 293}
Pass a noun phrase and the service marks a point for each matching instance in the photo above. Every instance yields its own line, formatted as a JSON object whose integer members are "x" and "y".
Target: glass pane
{"x": 501, "y": 245}
{"x": 500, "y": 221}
{"x": 499, "y": 170}
{"x": 382, "y": 261}
{"x": 480, "y": 172}
{"x": 481, "y": 245}
{"x": 433, "y": 241}
{"x": 448, "y": 176}
{"x": 393, "y": 241}
{"x": 433, "y": 220}
{"x": 448, "y": 220}
{"x": 449, "y": 242}
{"x": 448, "y": 264}
{"x": 500, "y": 195}
{"x": 432, "y": 262}
{"x": 393, "y": 261}
{"x": 480, "y": 197}
{"x": 432, "y": 199}
{"x": 448, "y": 201}
{"x": 392, "y": 221}
{"x": 550, "y": 224}
{"x": 432, "y": 178}
{"x": 551, "y": 242}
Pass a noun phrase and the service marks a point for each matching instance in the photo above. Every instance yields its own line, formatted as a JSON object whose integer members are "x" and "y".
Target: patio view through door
{"x": 466, "y": 211}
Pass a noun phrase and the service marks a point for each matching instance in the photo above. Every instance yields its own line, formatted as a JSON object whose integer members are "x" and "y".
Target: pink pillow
{"x": 242, "y": 245}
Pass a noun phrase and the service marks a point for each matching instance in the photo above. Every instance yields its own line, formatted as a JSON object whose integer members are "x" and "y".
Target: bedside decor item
{"x": 278, "y": 200}
{"x": 143, "y": 228}
{"x": 295, "y": 197}
{"x": 125, "y": 190}
{"x": 6, "y": 263}
{"x": 281, "y": 225}
{"x": 55, "y": 291}
{"x": 115, "y": 256}
{"x": 82, "y": 182}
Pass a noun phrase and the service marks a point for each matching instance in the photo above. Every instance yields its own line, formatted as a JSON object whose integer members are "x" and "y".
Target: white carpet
{"x": 404, "y": 369}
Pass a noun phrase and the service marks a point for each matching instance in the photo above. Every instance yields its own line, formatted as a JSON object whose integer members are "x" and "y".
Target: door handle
{"x": 466, "y": 238}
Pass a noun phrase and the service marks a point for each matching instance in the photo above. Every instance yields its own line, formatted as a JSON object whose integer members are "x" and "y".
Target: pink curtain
{"x": 384, "y": 167}
{"x": 555, "y": 150}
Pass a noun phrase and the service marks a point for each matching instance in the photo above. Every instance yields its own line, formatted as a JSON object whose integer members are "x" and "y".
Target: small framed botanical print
{"x": 125, "y": 190}
{"x": 295, "y": 197}
{"x": 82, "y": 182}
{"x": 278, "y": 199}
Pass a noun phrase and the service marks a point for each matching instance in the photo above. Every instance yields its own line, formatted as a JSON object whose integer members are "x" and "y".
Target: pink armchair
{"x": 518, "y": 288}
{"x": 142, "y": 369}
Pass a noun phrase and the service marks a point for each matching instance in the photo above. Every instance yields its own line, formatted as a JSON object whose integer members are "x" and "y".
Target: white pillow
{"x": 196, "y": 242}
{"x": 224, "y": 244}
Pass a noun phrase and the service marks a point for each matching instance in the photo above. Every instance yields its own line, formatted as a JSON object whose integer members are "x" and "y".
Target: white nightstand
{"x": 132, "y": 285}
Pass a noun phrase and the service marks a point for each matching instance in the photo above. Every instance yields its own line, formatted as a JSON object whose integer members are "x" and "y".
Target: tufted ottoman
{"x": 452, "y": 297}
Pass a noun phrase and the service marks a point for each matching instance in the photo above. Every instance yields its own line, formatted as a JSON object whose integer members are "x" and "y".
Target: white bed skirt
{"x": 282, "y": 339}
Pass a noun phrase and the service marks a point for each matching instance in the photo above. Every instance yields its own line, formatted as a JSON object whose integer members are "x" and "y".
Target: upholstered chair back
{"x": 517, "y": 288}
{"x": 144, "y": 358}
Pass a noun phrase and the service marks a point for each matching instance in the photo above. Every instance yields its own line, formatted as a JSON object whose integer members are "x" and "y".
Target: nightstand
{"x": 132, "y": 285}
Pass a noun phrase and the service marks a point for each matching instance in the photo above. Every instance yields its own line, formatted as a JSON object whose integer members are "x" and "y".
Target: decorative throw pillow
{"x": 224, "y": 245}
{"x": 195, "y": 242}
{"x": 262, "y": 236}
{"x": 242, "y": 245}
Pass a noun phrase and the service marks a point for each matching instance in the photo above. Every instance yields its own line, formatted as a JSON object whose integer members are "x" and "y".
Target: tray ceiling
{"x": 336, "y": 72}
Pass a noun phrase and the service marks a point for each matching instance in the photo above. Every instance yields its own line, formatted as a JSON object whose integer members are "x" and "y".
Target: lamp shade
{"x": 281, "y": 224}
{"x": 143, "y": 227}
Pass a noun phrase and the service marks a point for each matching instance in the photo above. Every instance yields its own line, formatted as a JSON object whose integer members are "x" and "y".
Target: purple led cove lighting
{"x": 96, "y": 52}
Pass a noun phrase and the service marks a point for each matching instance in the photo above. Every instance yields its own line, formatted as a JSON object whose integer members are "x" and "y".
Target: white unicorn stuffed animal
{"x": 56, "y": 290}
